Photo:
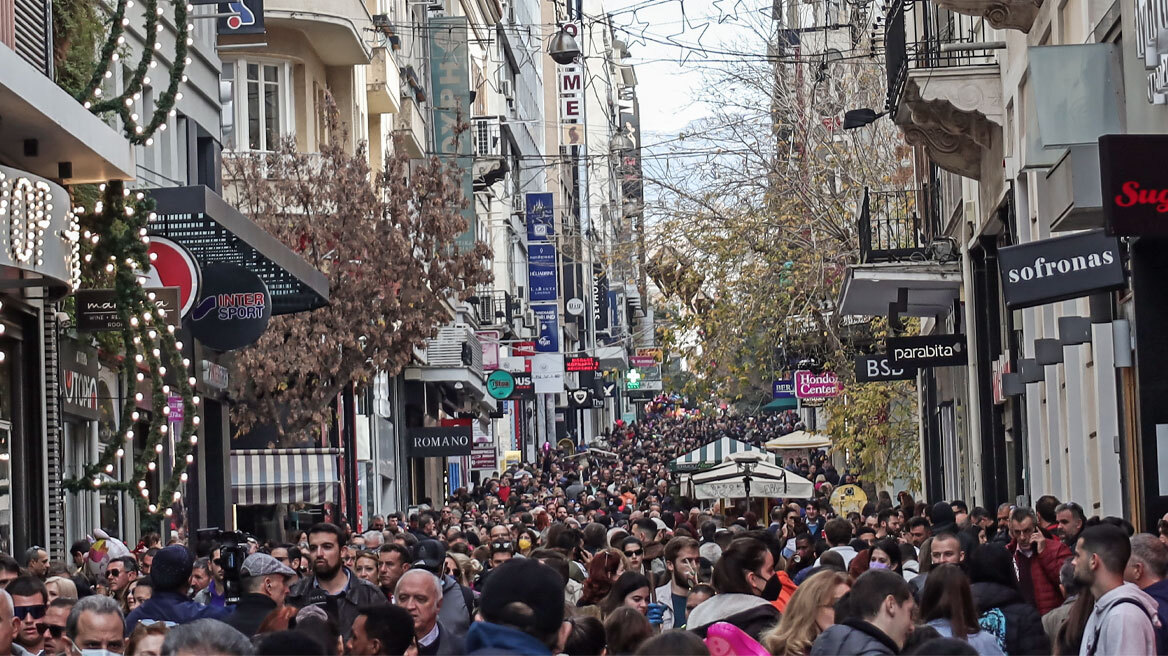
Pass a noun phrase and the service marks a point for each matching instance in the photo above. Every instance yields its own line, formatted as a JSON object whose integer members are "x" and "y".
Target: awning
{"x": 214, "y": 231}
{"x": 931, "y": 288}
{"x": 268, "y": 476}
{"x": 712, "y": 454}
{"x": 782, "y": 404}
{"x": 728, "y": 481}
{"x": 799, "y": 440}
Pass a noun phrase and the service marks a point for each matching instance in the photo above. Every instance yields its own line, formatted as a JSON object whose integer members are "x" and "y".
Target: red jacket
{"x": 1043, "y": 571}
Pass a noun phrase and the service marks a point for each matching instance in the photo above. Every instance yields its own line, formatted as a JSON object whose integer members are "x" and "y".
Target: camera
{"x": 233, "y": 549}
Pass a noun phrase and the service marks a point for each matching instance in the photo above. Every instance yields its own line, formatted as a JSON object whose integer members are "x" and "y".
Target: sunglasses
{"x": 22, "y": 612}
{"x": 118, "y": 572}
{"x": 54, "y": 630}
{"x": 167, "y": 623}
{"x": 638, "y": 552}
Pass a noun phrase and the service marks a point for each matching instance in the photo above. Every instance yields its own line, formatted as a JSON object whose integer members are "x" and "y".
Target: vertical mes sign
{"x": 450, "y": 80}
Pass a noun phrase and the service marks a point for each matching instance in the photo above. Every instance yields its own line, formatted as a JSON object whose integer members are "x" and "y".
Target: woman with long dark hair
{"x": 947, "y": 606}
{"x": 631, "y": 590}
{"x": 740, "y": 576}
{"x": 1001, "y": 608}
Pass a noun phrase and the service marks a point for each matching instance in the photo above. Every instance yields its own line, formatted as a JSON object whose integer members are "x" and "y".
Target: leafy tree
{"x": 386, "y": 243}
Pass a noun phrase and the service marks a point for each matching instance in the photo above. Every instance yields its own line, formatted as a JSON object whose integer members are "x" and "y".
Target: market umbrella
{"x": 799, "y": 440}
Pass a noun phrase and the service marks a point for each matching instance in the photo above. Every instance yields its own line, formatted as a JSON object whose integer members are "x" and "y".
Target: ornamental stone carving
{"x": 954, "y": 113}
{"x": 1002, "y": 14}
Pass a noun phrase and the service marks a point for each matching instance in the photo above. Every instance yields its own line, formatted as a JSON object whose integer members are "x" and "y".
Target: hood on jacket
{"x": 988, "y": 594}
{"x": 489, "y": 638}
{"x": 722, "y": 606}
{"x": 1128, "y": 591}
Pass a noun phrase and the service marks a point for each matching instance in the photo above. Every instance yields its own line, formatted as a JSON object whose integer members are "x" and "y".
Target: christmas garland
{"x": 115, "y": 244}
{"x": 123, "y": 104}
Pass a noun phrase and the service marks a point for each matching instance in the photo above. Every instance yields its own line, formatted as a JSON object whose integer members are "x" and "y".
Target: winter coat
{"x": 488, "y": 639}
{"x": 664, "y": 596}
{"x": 360, "y": 593}
{"x": 985, "y": 643}
{"x": 853, "y": 638}
{"x": 1017, "y": 625}
{"x": 1159, "y": 592}
{"x": 1124, "y": 621}
{"x": 454, "y": 615}
{"x": 788, "y": 589}
{"x": 251, "y": 611}
{"x": 754, "y": 615}
{"x": 1043, "y": 569}
{"x": 1054, "y": 620}
{"x": 168, "y": 606}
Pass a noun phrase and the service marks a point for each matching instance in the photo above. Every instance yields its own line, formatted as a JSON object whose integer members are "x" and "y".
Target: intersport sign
{"x": 810, "y": 385}
{"x": 1057, "y": 269}
{"x": 927, "y": 351}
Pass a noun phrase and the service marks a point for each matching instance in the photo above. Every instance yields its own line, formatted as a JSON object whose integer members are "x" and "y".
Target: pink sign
{"x": 489, "y": 339}
{"x": 810, "y": 385}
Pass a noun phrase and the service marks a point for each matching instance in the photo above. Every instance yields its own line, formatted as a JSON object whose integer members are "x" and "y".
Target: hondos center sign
{"x": 440, "y": 441}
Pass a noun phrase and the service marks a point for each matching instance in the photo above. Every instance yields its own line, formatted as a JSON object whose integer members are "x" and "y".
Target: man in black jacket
{"x": 265, "y": 585}
{"x": 333, "y": 586}
{"x": 879, "y": 620}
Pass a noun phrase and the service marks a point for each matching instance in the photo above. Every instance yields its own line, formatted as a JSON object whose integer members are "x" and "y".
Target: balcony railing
{"x": 898, "y": 225}
{"x": 921, "y": 35}
{"x": 494, "y": 307}
{"x": 486, "y": 136}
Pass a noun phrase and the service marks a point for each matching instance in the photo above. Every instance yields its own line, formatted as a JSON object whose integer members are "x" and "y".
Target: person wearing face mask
{"x": 95, "y": 627}
{"x": 740, "y": 577}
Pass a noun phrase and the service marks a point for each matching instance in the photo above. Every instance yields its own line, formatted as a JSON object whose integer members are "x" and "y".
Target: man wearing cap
{"x": 170, "y": 573}
{"x": 264, "y": 582}
{"x": 457, "y": 609}
{"x": 523, "y": 612}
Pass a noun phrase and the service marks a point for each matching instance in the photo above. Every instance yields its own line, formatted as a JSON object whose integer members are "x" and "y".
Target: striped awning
{"x": 712, "y": 454}
{"x": 268, "y": 476}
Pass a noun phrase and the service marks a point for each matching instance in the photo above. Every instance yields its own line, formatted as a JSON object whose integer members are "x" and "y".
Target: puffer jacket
{"x": 853, "y": 637}
{"x": 1043, "y": 571}
{"x": 1023, "y": 633}
{"x": 754, "y": 615}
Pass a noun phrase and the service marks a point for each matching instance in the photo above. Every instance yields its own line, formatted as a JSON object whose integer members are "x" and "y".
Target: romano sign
{"x": 1057, "y": 269}
{"x": 440, "y": 441}
{"x": 927, "y": 351}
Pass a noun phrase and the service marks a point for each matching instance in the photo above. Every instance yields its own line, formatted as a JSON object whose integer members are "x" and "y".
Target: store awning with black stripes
{"x": 269, "y": 476}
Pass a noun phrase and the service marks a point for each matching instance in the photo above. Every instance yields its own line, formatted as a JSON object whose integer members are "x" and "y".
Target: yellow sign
{"x": 657, "y": 354}
{"x": 848, "y": 498}
{"x": 511, "y": 458}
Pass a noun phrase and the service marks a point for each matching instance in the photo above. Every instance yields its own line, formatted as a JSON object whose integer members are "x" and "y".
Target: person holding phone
{"x": 1038, "y": 557}
{"x": 681, "y": 561}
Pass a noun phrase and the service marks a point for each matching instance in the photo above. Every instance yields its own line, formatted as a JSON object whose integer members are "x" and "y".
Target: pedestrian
{"x": 586, "y": 637}
{"x": 944, "y": 548}
{"x": 1147, "y": 568}
{"x": 200, "y": 577}
{"x": 96, "y": 624}
{"x": 382, "y": 631}
{"x": 214, "y": 593}
{"x": 838, "y": 532}
{"x": 9, "y": 626}
{"x": 30, "y": 601}
{"x": 673, "y": 643}
{"x": 1124, "y": 618}
{"x": 264, "y": 583}
{"x": 947, "y": 606}
{"x": 625, "y": 630}
{"x": 168, "y": 601}
{"x": 290, "y": 643}
{"x": 603, "y": 570}
{"x": 810, "y": 611}
{"x": 1071, "y": 518}
{"x": 681, "y": 564}
{"x": 1002, "y": 611}
{"x": 206, "y": 636}
{"x": 740, "y": 576}
{"x": 631, "y": 590}
{"x": 119, "y": 574}
{"x": 36, "y": 562}
{"x": 60, "y": 586}
{"x": 458, "y": 601}
{"x": 1038, "y": 558}
{"x": 365, "y": 566}
{"x": 523, "y": 611}
{"x": 146, "y": 640}
{"x": 1053, "y": 621}
{"x": 332, "y": 585}
{"x": 393, "y": 561}
{"x": 419, "y": 592}
{"x": 880, "y": 617}
{"x": 56, "y": 620}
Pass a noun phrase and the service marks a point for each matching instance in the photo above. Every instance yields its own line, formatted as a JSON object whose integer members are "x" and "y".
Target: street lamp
{"x": 621, "y": 141}
{"x": 858, "y": 118}
{"x": 563, "y": 47}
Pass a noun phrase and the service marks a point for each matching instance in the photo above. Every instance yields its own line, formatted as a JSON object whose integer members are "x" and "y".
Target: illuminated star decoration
{"x": 636, "y": 31}
{"x": 687, "y": 50}
{"x": 725, "y": 16}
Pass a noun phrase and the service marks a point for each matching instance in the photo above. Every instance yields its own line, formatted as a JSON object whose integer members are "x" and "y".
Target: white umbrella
{"x": 728, "y": 481}
{"x": 799, "y": 440}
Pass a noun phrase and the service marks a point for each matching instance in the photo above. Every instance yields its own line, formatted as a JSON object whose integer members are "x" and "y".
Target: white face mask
{"x": 98, "y": 652}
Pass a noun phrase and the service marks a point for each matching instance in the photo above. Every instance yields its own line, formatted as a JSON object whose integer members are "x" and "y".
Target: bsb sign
{"x": 1056, "y": 269}
{"x": 877, "y": 368}
{"x": 810, "y": 385}
{"x": 927, "y": 351}
{"x": 783, "y": 389}
{"x": 1134, "y": 183}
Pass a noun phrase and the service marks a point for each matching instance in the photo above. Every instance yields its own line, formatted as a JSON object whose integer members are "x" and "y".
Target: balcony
{"x": 490, "y": 163}
{"x": 383, "y": 86}
{"x": 336, "y": 29}
{"x": 1002, "y": 14}
{"x": 494, "y": 308}
{"x": 890, "y": 227}
{"x": 453, "y": 357}
{"x": 411, "y": 127}
{"x": 944, "y": 88}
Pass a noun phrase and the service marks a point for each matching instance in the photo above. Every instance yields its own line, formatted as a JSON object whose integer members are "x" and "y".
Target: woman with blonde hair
{"x": 60, "y": 587}
{"x": 462, "y": 568}
{"x": 809, "y": 612}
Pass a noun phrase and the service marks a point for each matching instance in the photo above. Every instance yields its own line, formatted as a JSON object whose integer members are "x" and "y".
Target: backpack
{"x": 993, "y": 622}
{"x": 1118, "y": 602}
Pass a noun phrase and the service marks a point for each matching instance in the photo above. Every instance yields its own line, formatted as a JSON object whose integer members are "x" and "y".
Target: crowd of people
{"x": 599, "y": 552}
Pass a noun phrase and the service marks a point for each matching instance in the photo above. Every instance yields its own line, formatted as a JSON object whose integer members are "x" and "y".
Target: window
{"x": 261, "y": 93}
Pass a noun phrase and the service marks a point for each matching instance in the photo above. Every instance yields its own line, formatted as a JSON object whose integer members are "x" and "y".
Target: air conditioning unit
{"x": 529, "y": 318}
{"x": 507, "y": 89}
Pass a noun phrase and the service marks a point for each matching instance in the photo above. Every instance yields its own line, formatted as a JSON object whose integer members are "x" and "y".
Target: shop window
{"x": 261, "y": 100}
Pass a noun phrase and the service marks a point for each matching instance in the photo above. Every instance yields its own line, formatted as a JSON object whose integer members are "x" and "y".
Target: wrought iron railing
{"x": 919, "y": 34}
{"x": 486, "y": 137}
{"x": 494, "y": 307}
{"x": 898, "y": 225}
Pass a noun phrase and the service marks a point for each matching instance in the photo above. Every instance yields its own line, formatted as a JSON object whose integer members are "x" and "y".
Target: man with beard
{"x": 331, "y": 585}
{"x": 1122, "y": 619}
{"x": 681, "y": 561}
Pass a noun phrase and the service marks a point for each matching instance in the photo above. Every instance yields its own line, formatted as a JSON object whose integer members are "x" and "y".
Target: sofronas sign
{"x": 1056, "y": 269}
{"x": 1134, "y": 183}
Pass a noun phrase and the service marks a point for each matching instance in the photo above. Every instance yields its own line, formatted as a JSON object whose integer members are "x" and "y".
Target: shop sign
{"x": 489, "y": 339}
{"x": 97, "y": 309}
{"x": 642, "y": 361}
{"x": 1056, "y": 269}
{"x": 233, "y": 309}
{"x": 878, "y": 369}
{"x": 783, "y": 389}
{"x": 927, "y": 351}
{"x": 812, "y": 403}
{"x": 581, "y": 364}
{"x": 523, "y": 349}
{"x": 79, "y": 379}
{"x": 599, "y": 299}
{"x": 241, "y": 17}
{"x": 524, "y": 387}
{"x": 541, "y": 272}
{"x": 177, "y": 411}
{"x": 549, "y": 328}
{"x": 547, "y": 372}
{"x": 440, "y": 441}
{"x": 1135, "y": 184}
{"x": 450, "y": 77}
{"x": 215, "y": 375}
{"x": 652, "y": 385}
{"x": 500, "y": 384}
{"x": 574, "y": 306}
{"x": 541, "y": 217}
{"x": 173, "y": 266}
{"x": 657, "y": 354}
{"x": 580, "y": 398}
{"x": 484, "y": 458}
{"x": 1151, "y": 47}
{"x": 810, "y": 385}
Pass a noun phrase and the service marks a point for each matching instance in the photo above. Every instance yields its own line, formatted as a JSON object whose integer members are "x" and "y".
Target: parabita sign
{"x": 927, "y": 351}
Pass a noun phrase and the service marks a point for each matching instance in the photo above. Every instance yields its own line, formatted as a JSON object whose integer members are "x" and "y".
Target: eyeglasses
{"x": 22, "y": 612}
{"x": 54, "y": 630}
{"x": 635, "y": 553}
{"x": 117, "y": 572}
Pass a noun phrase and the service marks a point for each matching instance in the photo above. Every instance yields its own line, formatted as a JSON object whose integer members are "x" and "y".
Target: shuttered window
{"x": 33, "y": 33}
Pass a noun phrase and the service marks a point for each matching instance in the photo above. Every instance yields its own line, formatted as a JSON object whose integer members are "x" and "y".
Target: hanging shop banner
{"x": 242, "y": 17}
{"x": 927, "y": 351}
{"x": 642, "y": 361}
{"x": 541, "y": 272}
{"x": 450, "y": 81}
{"x": 599, "y": 299}
{"x": 783, "y": 389}
{"x": 810, "y": 385}
{"x": 877, "y": 368}
{"x": 484, "y": 458}
{"x": 489, "y": 339}
{"x": 440, "y": 441}
{"x": 500, "y": 384}
{"x": 547, "y": 316}
{"x": 581, "y": 363}
{"x": 541, "y": 217}
{"x": 524, "y": 387}
{"x": 173, "y": 266}
{"x": 547, "y": 372}
{"x": 580, "y": 398}
{"x": 1134, "y": 184}
{"x": 97, "y": 309}
{"x": 233, "y": 309}
{"x": 1056, "y": 269}
{"x": 79, "y": 379}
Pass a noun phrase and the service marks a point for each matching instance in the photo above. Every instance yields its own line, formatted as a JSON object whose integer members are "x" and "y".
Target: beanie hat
{"x": 171, "y": 569}
{"x": 525, "y": 594}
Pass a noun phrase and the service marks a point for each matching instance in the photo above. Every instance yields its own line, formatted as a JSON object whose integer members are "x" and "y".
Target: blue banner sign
{"x": 541, "y": 217}
{"x": 541, "y": 272}
{"x": 547, "y": 316}
{"x": 783, "y": 389}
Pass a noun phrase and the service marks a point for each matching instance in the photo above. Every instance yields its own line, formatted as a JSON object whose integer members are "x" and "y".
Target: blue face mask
{"x": 878, "y": 566}
{"x": 97, "y": 652}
